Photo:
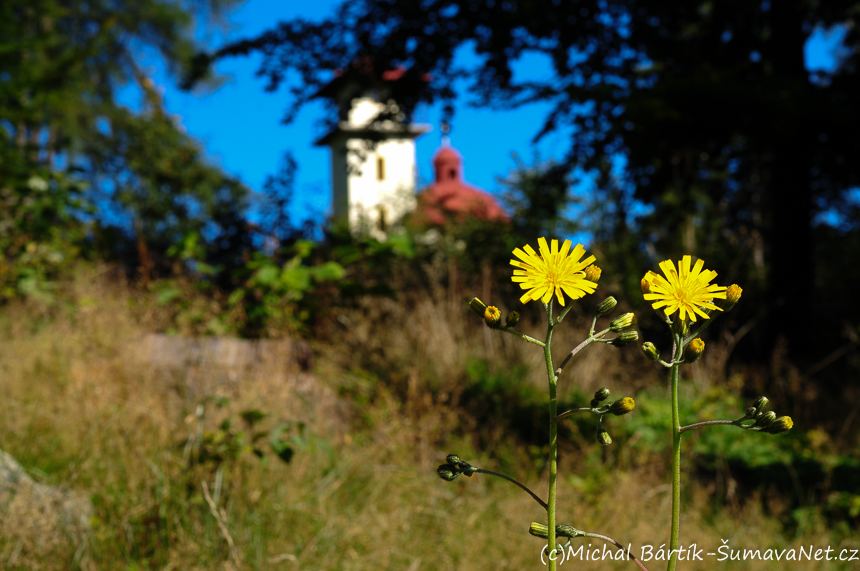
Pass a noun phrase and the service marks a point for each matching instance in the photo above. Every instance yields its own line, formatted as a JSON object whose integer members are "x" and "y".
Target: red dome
{"x": 451, "y": 198}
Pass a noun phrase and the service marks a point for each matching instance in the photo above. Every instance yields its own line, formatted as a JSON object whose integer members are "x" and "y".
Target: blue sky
{"x": 239, "y": 123}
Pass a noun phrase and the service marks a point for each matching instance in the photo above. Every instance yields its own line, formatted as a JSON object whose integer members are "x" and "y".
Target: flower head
{"x": 553, "y": 271}
{"x": 781, "y": 424}
{"x": 685, "y": 290}
{"x": 492, "y": 316}
{"x": 622, "y": 406}
{"x": 693, "y": 351}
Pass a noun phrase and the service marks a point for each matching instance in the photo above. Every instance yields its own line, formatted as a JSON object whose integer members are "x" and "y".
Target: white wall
{"x": 369, "y": 197}
{"x": 358, "y": 193}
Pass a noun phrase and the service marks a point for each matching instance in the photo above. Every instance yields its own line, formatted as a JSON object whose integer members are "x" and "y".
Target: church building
{"x": 373, "y": 165}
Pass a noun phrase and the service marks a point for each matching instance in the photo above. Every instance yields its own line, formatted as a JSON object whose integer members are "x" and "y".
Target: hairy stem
{"x": 570, "y": 356}
{"x": 540, "y": 530}
{"x": 709, "y": 423}
{"x": 511, "y": 480}
{"x": 676, "y": 459}
{"x": 522, "y": 336}
{"x": 567, "y": 413}
{"x": 553, "y": 437}
{"x": 608, "y": 539}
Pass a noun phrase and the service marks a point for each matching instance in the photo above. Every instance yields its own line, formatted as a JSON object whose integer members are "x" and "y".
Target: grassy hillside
{"x": 186, "y": 467}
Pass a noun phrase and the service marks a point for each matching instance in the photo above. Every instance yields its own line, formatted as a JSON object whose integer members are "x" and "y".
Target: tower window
{"x": 380, "y": 168}
{"x": 381, "y": 221}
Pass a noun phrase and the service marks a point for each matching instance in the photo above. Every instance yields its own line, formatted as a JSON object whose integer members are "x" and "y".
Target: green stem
{"x": 676, "y": 460}
{"x": 511, "y": 480}
{"x": 569, "y": 412}
{"x": 521, "y": 336}
{"x": 553, "y": 437}
{"x": 710, "y": 423}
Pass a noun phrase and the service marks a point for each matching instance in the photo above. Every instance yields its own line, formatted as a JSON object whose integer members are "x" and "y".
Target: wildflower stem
{"x": 521, "y": 336}
{"x": 676, "y": 458}
{"x": 539, "y": 530}
{"x": 569, "y": 412}
{"x": 570, "y": 355}
{"x": 553, "y": 436}
{"x": 709, "y": 423}
{"x": 692, "y": 336}
{"x": 563, "y": 313}
{"x": 608, "y": 539}
{"x": 511, "y": 480}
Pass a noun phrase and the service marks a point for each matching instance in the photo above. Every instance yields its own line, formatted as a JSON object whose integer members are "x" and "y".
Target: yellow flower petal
{"x": 554, "y": 271}
{"x": 684, "y": 289}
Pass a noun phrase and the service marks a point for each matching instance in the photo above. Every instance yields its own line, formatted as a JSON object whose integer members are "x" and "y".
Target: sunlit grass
{"x": 81, "y": 409}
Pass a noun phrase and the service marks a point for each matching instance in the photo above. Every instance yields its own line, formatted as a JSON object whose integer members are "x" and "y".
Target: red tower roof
{"x": 451, "y": 198}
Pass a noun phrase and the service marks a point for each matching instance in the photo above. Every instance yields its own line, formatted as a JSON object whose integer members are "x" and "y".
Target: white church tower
{"x": 373, "y": 166}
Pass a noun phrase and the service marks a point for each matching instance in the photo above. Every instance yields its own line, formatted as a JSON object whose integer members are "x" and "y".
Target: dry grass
{"x": 80, "y": 408}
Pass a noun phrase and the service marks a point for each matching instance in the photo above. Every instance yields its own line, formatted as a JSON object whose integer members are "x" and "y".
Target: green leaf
{"x": 167, "y": 294}
{"x": 236, "y": 297}
{"x": 252, "y": 416}
{"x": 328, "y": 271}
{"x": 297, "y": 279}
{"x": 267, "y": 275}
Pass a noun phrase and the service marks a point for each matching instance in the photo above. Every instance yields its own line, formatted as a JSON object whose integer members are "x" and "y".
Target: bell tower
{"x": 373, "y": 166}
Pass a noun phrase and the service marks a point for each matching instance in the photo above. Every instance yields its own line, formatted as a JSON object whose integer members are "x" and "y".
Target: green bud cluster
{"x": 618, "y": 407}
{"x": 453, "y": 468}
{"x": 765, "y": 421}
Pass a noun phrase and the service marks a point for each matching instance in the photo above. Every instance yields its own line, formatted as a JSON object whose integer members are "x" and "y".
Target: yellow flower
{"x": 686, "y": 291}
{"x": 552, "y": 272}
{"x": 492, "y": 316}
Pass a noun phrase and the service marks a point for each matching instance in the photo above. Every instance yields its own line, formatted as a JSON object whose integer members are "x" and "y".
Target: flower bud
{"x": 765, "y": 419}
{"x": 539, "y": 529}
{"x": 760, "y": 404}
{"x": 492, "y": 316}
{"x": 512, "y": 319}
{"x": 453, "y": 459}
{"x": 650, "y": 351}
{"x": 447, "y": 472}
{"x": 478, "y": 306}
{"x": 781, "y": 424}
{"x": 646, "y": 283}
{"x": 601, "y": 395}
{"x": 693, "y": 351}
{"x": 733, "y": 294}
{"x": 679, "y": 326}
{"x": 604, "y": 438}
{"x": 606, "y": 306}
{"x": 750, "y": 413}
{"x": 624, "y": 339}
{"x": 622, "y": 322}
{"x": 592, "y": 273}
{"x": 622, "y": 406}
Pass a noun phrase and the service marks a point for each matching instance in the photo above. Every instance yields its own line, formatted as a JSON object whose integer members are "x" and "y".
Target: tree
{"x": 63, "y": 63}
{"x": 717, "y": 123}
